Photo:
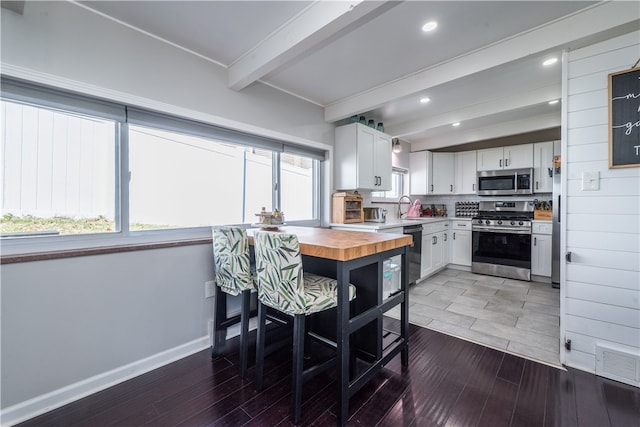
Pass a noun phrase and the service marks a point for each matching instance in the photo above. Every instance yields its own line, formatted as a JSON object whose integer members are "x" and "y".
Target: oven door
{"x": 501, "y": 252}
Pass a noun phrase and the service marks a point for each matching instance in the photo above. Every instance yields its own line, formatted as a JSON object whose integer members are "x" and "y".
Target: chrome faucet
{"x": 400, "y": 205}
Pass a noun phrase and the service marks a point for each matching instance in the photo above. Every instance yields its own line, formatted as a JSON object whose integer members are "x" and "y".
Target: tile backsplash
{"x": 449, "y": 201}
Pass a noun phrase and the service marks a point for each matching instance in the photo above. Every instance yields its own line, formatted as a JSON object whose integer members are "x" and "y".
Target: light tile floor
{"x": 515, "y": 316}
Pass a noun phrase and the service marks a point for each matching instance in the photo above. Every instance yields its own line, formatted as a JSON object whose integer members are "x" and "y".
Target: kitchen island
{"x": 357, "y": 257}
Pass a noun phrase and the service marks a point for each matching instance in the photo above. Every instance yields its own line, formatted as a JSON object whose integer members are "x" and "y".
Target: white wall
{"x": 601, "y": 292}
{"x": 76, "y": 325}
{"x": 66, "y": 321}
{"x": 85, "y": 51}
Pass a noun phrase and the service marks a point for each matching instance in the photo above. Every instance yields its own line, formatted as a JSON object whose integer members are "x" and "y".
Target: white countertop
{"x": 374, "y": 226}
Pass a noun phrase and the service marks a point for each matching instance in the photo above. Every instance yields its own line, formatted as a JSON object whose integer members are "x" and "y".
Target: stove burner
{"x": 503, "y": 221}
{"x": 503, "y": 216}
{"x": 518, "y": 217}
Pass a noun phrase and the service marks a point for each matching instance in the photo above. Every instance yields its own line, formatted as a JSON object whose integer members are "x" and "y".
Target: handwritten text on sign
{"x": 624, "y": 118}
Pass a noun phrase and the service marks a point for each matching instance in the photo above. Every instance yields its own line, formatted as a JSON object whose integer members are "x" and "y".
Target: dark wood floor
{"x": 448, "y": 382}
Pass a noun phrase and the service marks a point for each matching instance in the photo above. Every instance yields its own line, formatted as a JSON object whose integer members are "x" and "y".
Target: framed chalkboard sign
{"x": 624, "y": 119}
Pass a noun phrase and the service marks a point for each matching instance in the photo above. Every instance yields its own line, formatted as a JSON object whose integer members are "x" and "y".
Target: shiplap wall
{"x": 601, "y": 293}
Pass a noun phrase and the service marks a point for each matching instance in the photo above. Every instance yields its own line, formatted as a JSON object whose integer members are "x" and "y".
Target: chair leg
{"x": 220, "y": 315}
{"x": 245, "y": 313}
{"x": 298, "y": 365}
{"x": 262, "y": 326}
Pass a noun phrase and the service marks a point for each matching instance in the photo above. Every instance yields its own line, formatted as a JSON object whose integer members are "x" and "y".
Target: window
{"x": 299, "y": 182}
{"x": 186, "y": 181}
{"x": 62, "y": 157}
{"x": 398, "y": 184}
{"x": 58, "y": 172}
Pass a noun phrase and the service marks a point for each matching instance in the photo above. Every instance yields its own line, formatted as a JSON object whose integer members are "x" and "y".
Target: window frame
{"x": 18, "y": 91}
{"x": 396, "y": 173}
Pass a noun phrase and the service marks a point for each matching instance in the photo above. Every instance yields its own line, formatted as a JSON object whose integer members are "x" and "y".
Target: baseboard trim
{"x": 44, "y": 403}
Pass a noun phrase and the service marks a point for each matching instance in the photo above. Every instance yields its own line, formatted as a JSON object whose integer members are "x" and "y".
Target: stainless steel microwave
{"x": 505, "y": 182}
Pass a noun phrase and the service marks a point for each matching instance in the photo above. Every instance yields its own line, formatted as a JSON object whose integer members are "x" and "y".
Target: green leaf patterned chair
{"x": 233, "y": 277}
{"x": 284, "y": 286}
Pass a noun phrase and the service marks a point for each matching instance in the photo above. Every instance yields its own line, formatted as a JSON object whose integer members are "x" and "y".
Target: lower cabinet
{"x": 461, "y": 242}
{"x": 435, "y": 247}
{"x": 541, "y": 248}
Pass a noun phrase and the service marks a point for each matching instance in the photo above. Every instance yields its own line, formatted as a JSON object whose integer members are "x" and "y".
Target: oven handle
{"x": 501, "y": 230}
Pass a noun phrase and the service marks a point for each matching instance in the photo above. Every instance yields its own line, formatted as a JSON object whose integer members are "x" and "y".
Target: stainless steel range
{"x": 501, "y": 235}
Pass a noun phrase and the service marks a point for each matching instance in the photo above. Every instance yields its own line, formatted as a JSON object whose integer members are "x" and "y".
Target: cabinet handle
{"x": 506, "y": 162}
{"x": 535, "y": 241}
{"x": 434, "y": 240}
{"x": 432, "y": 188}
{"x": 500, "y": 162}
{"x": 452, "y": 188}
{"x": 445, "y": 237}
{"x": 536, "y": 185}
{"x": 473, "y": 187}
{"x": 454, "y": 235}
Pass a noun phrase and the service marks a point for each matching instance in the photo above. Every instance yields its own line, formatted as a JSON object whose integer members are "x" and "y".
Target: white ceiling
{"x": 481, "y": 66}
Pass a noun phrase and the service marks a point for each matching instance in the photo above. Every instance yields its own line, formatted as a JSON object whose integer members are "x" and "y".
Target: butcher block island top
{"x": 341, "y": 245}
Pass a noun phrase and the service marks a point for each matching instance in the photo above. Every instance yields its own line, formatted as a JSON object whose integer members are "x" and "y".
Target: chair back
{"x": 279, "y": 271}
{"x": 231, "y": 259}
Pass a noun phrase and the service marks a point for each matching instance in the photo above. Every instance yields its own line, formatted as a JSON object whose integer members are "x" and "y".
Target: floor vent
{"x": 618, "y": 365}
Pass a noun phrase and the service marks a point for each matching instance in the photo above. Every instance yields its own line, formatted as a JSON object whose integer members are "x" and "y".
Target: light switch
{"x": 590, "y": 181}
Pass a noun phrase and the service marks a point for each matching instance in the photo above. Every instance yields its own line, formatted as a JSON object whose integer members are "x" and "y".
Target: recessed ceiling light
{"x": 456, "y": 124}
{"x": 429, "y": 26}
{"x": 555, "y": 101}
{"x": 550, "y": 61}
{"x": 425, "y": 100}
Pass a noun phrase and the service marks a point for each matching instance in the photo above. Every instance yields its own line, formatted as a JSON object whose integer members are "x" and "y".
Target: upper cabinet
{"x": 512, "y": 157}
{"x": 465, "y": 172}
{"x": 443, "y": 173}
{"x": 543, "y": 167}
{"x": 420, "y": 172}
{"x": 362, "y": 158}
{"x": 431, "y": 173}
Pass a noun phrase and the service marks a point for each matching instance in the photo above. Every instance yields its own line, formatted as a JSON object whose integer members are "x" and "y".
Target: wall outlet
{"x": 209, "y": 288}
{"x": 590, "y": 181}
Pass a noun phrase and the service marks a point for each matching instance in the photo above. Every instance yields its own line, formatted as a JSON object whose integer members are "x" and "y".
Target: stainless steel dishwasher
{"x": 415, "y": 252}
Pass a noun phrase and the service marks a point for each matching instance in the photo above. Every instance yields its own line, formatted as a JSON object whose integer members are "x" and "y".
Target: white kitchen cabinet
{"x": 511, "y": 157}
{"x": 541, "y": 236}
{"x": 443, "y": 173}
{"x": 490, "y": 159}
{"x": 431, "y": 173}
{"x": 363, "y": 158}
{"x": 420, "y": 176}
{"x": 461, "y": 242}
{"x": 435, "y": 247}
{"x": 543, "y": 167}
{"x": 426, "y": 257}
{"x": 465, "y": 171}
{"x": 444, "y": 259}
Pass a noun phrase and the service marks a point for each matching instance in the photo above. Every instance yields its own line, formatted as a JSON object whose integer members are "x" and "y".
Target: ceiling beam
{"x": 582, "y": 25}
{"x": 315, "y": 24}
{"x": 483, "y": 109}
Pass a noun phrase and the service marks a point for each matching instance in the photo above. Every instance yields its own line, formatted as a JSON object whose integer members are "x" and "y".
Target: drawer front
{"x": 434, "y": 227}
{"x": 460, "y": 224}
{"x": 542, "y": 228}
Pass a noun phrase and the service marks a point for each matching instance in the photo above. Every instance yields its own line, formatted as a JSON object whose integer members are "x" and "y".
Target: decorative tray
{"x": 269, "y": 226}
